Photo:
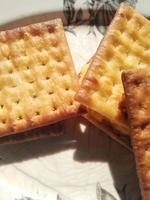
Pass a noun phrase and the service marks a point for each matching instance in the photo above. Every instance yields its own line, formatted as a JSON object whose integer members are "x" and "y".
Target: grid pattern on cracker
{"x": 37, "y": 77}
{"x": 101, "y": 122}
{"x": 137, "y": 90}
{"x": 126, "y": 45}
{"x": 97, "y": 117}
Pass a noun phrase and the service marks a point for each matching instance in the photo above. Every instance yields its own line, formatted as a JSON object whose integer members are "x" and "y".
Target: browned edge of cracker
{"x": 104, "y": 125}
{"x": 108, "y": 129}
{"x": 36, "y": 29}
{"x": 35, "y": 134}
{"x": 131, "y": 79}
{"x": 62, "y": 117}
{"x": 39, "y": 29}
{"x": 88, "y": 81}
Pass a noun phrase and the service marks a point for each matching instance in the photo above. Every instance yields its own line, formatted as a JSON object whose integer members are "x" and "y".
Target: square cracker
{"x": 137, "y": 91}
{"x": 102, "y": 122}
{"x": 37, "y": 77}
{"x": 126, "y": 45}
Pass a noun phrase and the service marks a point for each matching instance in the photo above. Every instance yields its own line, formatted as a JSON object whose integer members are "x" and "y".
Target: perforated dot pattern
{"x": 97, "y": 118}
{"x": 37, "y": 77}
{"x": 126, "y": 45}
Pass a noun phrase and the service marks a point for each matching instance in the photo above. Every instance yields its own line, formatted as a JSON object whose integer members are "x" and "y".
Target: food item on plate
{"x": 37, "y": 77}
{"x": 119, "y": 128}
{"x": 137, "y": 91}
{"x": 44, "y": 132}
{"x": 100, "y": 121}
{"x": 125, "y": 45}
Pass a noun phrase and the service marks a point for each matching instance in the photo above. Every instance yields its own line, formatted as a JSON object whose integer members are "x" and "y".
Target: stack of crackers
{"x": 39, "y": 86}
{"x": 115, "y": 86}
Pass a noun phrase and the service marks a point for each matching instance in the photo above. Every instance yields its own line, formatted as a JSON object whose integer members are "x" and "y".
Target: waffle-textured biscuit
{"x": 52, "y": 130}
{"x": 100, "y": 121}
{"x": 121, "y": 130}
{"x": 126, "y": 45}
{"x": 37, "y": 77}
{"x": 137, "y": 90}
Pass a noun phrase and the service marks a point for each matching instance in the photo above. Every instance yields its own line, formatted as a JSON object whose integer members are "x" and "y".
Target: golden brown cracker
{"x": 37, "y": 77}
{"x": 126, "y": 45}
{"x": 137, "y": 91}
{"x": 101, "y": 122}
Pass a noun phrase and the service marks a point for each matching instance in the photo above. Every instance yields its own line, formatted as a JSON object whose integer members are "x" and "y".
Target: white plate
{"x": 95, "y": 167}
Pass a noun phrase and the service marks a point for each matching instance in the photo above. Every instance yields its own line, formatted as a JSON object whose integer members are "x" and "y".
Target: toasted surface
{"x": 56, "y": 129}
{"x": 37, "y": 77}
{"x": 91, "y": 115}
{"x": 137, "y": 90}
{"x": 126, "y": 45}
{"x": 102, "y": 122}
